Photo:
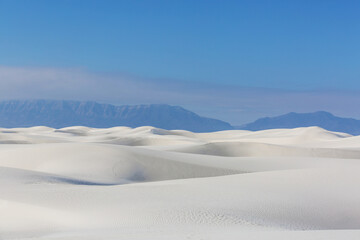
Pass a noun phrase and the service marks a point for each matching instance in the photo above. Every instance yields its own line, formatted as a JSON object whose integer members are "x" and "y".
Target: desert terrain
{"x": 149, "y": 183}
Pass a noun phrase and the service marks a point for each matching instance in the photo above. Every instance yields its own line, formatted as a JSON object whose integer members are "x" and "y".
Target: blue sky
{"x": 289, "y": 46}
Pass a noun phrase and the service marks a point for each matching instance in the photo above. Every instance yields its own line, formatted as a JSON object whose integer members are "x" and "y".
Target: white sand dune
{"x": 149, "y": 183}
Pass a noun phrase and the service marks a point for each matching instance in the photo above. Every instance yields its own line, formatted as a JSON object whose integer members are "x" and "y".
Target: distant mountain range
{"x": 293, "y": 120}
{"x": 58, "y": 114}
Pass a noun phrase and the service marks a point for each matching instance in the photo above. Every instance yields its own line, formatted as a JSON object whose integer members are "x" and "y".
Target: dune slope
{"x": 149, "y": 183}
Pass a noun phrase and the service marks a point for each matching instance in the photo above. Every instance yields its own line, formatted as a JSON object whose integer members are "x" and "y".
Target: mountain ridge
{"x": 65, "y": 113}
{"x": 321, "y": 119}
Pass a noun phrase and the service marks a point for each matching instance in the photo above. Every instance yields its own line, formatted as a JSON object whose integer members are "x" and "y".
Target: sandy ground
{"x": 147, "y": 183}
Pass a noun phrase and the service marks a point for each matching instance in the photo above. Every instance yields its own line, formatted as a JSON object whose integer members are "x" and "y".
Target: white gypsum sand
{"x": 147, "y": 183}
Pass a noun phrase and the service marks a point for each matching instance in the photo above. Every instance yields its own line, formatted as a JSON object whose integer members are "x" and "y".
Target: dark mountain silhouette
{"x": 293, "y": 120}
{"x": 58, "y": 114}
